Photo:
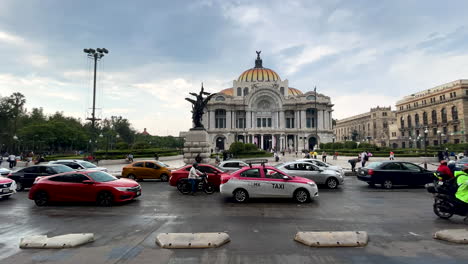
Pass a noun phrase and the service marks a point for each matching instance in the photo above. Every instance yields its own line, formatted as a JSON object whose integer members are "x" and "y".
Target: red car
{"x": 83, "y": 186}
{"x": 214, "y": 174}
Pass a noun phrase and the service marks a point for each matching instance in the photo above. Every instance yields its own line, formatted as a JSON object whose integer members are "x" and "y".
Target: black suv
{"x": 25, "y": 177}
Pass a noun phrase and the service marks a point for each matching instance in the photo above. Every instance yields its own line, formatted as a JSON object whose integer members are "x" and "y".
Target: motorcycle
{"x": 445, "y": 203}
{"x": 185, "y": 186}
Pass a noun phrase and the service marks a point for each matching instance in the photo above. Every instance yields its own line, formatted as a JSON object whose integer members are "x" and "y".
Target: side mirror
{"x": 286, "y": 178}
{"x": 87, "y": 182}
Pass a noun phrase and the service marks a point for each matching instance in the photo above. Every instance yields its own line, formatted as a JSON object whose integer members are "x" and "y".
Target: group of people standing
{"x": 363, "y": 157}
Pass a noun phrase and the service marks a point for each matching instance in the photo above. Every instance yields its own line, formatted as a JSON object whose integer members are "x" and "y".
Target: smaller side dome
{"x": 294, "y": 91}
{"x": 228, "y": 91}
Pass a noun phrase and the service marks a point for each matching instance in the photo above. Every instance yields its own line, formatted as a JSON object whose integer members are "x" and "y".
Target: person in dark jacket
{"x": 353, "y": 163}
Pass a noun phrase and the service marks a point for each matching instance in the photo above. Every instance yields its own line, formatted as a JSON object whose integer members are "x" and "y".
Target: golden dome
{"x": 291, "y": 91}
{"x": 259, "y": 75}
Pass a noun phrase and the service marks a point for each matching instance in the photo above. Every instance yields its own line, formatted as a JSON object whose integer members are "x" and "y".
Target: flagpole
{"x": 316, "y": 114}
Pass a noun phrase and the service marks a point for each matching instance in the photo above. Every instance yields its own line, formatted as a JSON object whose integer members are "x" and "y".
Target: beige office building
{"x": 371, "y": 127}
{"x": 437, "y": 114}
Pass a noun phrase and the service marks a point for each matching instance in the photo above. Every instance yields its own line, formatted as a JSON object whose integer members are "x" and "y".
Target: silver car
{"x": 324, "y": 165}
{"x": 232, "y": 165}
{"x": 79, "y": 165}
{"x": 330, "y": 178}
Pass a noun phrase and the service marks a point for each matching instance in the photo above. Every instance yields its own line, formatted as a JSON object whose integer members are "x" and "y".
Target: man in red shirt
{"x": 444, "y": 170}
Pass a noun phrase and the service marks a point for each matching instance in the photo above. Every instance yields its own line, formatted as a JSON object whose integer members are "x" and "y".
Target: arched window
{"x": 219, "y": 98}
{"x": 409, "y": 121}
{"x": 425, "y": 122}
{"x": 246, "y": 91}
{"x": 239, "y": 91}
{"x": 443, "y": 114}
{"x": 416, "y": 120}
{"x": 282, "y": 90}
{"x": 402, "y": 122}
{"x": 454, "y": 113}
{"x": 310, "y": 118}
{"x": 434, "y": 117}
{"x": 220, "y": 118}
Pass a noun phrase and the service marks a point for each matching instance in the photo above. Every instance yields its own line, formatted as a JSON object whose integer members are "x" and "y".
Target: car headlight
{"x": 311, "y": 184}
{"x": 122, "y": 189}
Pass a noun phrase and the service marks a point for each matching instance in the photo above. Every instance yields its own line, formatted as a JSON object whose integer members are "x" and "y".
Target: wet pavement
{"x": 400, "y": 224}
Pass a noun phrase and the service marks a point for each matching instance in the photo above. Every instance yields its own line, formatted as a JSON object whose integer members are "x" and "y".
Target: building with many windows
{"x": 262, "y": 109}
{"x": 371, "y": 127}
{"x": 437, "y": 114}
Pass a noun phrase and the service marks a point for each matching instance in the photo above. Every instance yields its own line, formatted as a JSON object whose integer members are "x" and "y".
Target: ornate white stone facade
{"x": 262, "y": 109}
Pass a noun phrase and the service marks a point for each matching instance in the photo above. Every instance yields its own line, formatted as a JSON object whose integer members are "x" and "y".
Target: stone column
{"x": 228, "y": 119}
{"x": 303, "y": 119}
{"x": 247, "y": 119}
{"x": 261, "y": 141}
{"x": 320, "y": 119}
{"x": 281, "y": 120}
{"x": 325, "y": 119}
{"x": 212, "y": 119}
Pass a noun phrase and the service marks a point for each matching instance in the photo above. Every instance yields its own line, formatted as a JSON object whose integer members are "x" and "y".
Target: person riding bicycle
{"x": 443, "y": 171}
{"x": 193, "y": 176}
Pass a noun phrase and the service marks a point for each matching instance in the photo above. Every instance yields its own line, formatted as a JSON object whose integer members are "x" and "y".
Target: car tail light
{"x": 224, "y": 180}
{"x": 370, "y": 171}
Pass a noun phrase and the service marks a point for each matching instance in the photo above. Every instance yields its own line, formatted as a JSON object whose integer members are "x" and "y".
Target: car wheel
{"x": 164, "y": 177}
{"x": 241, "y": 195}
{"x": 387, "y": 184}
{"x": 19, "y": 186}
{"x": 180, "y": 184}
{"x": 105, "y": 199}
{"x": 301, "y": 196}
{"x": 332, "y": 183}
{"x": 41, "y": 198}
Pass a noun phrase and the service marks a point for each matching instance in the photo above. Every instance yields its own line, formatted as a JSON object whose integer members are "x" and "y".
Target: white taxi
{"x": 262, "y": 181}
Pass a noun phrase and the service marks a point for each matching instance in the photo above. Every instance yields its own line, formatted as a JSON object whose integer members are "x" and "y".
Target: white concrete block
{"x": 332, "y": 239}
{"x": 63, "y": 241}
{"x": 192, "y": 240}
{"x": 459, "y": 236}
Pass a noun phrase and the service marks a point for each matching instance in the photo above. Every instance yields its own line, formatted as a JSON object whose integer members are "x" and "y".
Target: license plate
{"x": 5, "y": 190}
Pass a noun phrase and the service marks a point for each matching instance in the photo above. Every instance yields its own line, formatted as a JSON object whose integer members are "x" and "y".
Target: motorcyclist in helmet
{"x": 194, "y": 176}
{"x": 444, "y": 172}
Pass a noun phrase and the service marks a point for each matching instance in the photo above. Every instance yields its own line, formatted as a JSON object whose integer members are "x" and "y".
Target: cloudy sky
{"x": 360, "y": 53}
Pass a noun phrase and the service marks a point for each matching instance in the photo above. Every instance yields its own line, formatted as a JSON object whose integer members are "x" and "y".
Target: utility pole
{"x": 95, "y": 54}
{"x": 316, "y": 114}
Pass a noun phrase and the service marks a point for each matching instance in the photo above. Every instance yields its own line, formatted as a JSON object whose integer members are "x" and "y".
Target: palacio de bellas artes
{"x": 262, "y": 109}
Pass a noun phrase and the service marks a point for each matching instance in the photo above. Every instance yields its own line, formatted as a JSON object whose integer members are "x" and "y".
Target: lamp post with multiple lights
{"x": 95, "y": 54}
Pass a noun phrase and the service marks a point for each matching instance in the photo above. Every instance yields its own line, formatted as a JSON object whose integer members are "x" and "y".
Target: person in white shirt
{"x": 363, "y": 158}
{"x": 12, "y": 160}
{"x": 194, "y": 176}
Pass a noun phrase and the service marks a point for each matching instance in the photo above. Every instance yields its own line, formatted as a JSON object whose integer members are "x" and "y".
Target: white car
{"x": 79, "y": 165}
{"x": 321, "y": 175}
{"x": 232, "y": 165}
{"x": 7, "y": 187}
{"x": 324, "y": 165}
{"x": 4, "y": 172}
{"x": 266, "y": 182}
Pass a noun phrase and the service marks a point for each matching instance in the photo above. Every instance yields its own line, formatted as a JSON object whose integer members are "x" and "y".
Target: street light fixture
{"x": 95, "y": 55}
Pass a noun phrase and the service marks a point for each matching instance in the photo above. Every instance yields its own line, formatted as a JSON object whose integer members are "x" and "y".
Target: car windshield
{"x": 100, "y": 176}
{"x": 160, "y": 164}
{"x": 278, "y": 165}
{"x": 62, "y": 168}
{"x": 221, "y": 169}
{"x": 87, "y": 164}
{"x": 373, "y": 165}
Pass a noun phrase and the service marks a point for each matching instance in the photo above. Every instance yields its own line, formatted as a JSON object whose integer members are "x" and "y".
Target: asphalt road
{"x": 400, "y": 224}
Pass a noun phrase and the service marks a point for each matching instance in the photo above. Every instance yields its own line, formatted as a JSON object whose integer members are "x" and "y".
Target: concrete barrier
{"x": 64, "y": 241}
{"x": 333, "y": 239}
{"x": 192, "y": 240}
{"x": 459, "y": 236}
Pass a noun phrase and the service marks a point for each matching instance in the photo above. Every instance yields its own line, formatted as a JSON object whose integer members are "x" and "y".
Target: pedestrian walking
{"x": 156, "y": 156}
{"x": 392, "y": 155}
{"x": 12, "y": 161}
{"x": 324, "y": 156}
{"x": 363, "y": 158}
{"x": 335, "y": 155}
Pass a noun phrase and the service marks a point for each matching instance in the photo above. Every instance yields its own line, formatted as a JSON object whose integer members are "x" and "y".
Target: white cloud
{"x": 11, "y": 38}
{"x": 37, "y": 60}
{"x": 308, "y": 55}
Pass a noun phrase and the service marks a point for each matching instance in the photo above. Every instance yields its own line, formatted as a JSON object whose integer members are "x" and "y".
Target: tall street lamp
{"x": 95, "y": 54}
{"x": 439, "y": 133}
{"x": 425, "y": 141}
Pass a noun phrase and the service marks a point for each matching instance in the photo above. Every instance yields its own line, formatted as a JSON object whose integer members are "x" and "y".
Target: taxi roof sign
{"x": 256, "y": 161}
